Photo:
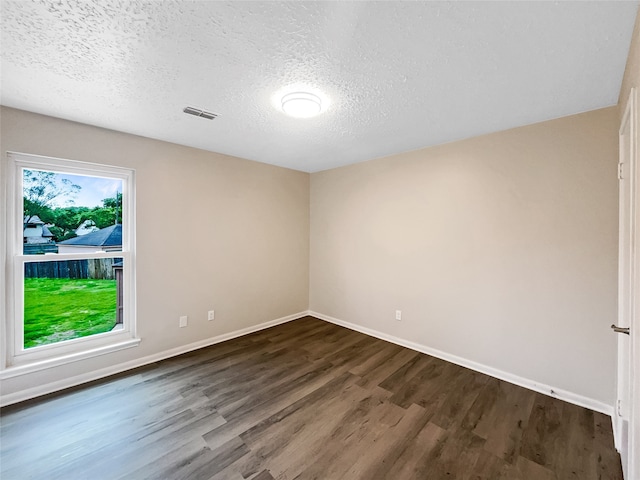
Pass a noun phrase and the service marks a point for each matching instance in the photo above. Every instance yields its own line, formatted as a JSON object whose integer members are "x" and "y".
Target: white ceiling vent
{"x": 200, "y": 113}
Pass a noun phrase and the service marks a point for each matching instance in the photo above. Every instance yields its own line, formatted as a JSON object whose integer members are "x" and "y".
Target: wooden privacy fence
{"x": 39, "y": 248}
{"x": 94, "y": 268}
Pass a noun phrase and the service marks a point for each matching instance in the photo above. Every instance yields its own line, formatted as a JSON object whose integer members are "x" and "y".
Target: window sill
{"x": 38, "y": 365}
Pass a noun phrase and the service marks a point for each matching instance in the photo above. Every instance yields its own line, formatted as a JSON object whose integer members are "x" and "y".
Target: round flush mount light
{"x": 301, "y": 104}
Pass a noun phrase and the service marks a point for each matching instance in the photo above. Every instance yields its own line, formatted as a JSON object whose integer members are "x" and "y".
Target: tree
{"x": 115, "y": 205}
{"x": 67, "y": 220}
{"x": 109, "y": 214}
{"x": 40, "y": 189}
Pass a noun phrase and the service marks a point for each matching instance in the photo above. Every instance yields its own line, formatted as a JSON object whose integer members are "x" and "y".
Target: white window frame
{"x": 15, "y": 359}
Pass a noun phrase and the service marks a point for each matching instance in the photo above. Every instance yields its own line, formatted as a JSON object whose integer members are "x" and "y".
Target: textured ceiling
{"x": 397, "y": 76}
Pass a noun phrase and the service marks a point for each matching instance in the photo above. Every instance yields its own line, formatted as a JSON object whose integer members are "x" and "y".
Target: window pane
{"x": 66, "y": 213}
{"x": 70, "y": 299}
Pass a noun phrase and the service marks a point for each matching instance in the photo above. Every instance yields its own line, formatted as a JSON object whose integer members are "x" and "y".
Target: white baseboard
{"x": 617, "y": 431}
{"x": 47, "y": 388}
{"x": 559, "y": 393}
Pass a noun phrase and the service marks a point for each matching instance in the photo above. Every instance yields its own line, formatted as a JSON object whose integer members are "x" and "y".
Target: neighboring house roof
{"x": 33, "y": 220}
{"x": 107, "y": 237}
{"x": 46, "y": 232}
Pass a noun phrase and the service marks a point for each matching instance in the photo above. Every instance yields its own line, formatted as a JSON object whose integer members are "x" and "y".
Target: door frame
{"x": 629, "y": 447}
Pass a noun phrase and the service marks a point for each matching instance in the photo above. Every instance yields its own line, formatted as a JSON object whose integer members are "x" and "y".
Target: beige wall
{"x": 249, "y": 260}
{"x": 500, "y": 249}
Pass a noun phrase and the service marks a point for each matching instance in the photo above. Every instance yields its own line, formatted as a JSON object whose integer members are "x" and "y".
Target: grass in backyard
{"x": 62, "y": 309}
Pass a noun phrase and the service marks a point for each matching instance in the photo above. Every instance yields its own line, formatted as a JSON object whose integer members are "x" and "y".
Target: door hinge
{"x": 620, "y": 167}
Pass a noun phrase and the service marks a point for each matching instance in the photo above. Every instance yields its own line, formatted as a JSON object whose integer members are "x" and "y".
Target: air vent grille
{"x": 200, "y": 113}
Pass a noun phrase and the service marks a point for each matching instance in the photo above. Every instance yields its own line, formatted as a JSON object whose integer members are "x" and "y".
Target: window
{"x": 70, "y": 291}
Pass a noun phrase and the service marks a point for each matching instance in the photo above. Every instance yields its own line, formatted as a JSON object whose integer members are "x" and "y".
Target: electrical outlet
{"x": 211, "y": 315}
{"x": 183, "y": 321}
{"x": 399, "y": 315}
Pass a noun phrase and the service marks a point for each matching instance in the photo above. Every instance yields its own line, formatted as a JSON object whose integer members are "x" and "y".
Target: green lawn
{"x": 62, "y": 309}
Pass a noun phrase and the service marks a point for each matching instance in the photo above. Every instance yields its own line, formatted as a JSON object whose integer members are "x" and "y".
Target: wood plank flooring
{"x": 304, "y": 400}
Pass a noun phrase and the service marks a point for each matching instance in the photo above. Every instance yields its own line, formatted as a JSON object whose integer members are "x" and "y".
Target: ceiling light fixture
{"x": 301, "y": 104}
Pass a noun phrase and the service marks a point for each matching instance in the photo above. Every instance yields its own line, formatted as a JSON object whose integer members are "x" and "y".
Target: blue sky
{"x": 93, "y": 190}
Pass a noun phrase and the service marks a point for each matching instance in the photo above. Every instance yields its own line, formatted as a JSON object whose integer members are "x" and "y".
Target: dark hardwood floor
{"x": 304, "y": 400}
